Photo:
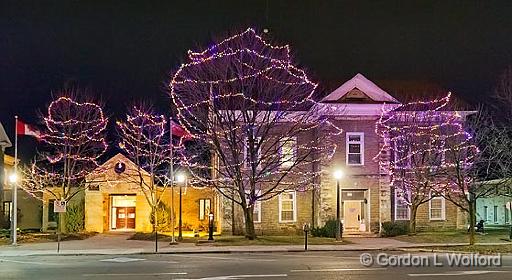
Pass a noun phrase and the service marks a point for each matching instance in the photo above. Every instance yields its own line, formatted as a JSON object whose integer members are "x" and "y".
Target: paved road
{"x": 310, "y": 265}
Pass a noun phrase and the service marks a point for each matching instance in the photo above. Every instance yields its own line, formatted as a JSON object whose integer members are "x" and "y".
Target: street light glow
{"x": 13, "y": 178}
{"x": 180, "y": 178}
{"x": 338, "y": 174}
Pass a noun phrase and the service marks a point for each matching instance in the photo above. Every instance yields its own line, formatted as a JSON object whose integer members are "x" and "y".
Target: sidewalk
{"x": 117, "y": 244}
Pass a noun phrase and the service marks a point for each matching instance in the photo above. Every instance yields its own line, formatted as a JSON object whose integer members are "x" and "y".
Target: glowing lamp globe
{"x": 13, "y": 178}
{"x": 180, "y": 178}
{"x": 338, "y": 174}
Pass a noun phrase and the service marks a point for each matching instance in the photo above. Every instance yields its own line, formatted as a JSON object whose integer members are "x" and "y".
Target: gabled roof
{"x": 107, "y": 168}
{"x": 361, "y": 83}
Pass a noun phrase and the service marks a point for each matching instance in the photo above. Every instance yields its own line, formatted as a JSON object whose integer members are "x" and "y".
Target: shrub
{"x": 390, "y": 229}
{"x": 164, "y": 217}
{"x": 75, "y": 217}
{"x": 328, "y": 230}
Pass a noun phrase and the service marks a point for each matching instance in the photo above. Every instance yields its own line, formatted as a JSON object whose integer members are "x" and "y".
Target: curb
{"x": 205, "y": 252}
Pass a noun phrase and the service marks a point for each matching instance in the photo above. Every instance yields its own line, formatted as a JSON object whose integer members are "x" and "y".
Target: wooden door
{"x": 130, "y": 217}
{"x": 120, "y": 217}
{"x": 352, "y": 215}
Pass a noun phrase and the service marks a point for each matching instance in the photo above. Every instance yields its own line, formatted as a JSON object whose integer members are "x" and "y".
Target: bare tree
{"x": 74, "y": 138}
{"x": 503, "y": 91}
{"x": 248, "y": 107}
{"x": 415, "y": 135}
{"x": 479, "y": 170}
{"x": 144, "y": 138}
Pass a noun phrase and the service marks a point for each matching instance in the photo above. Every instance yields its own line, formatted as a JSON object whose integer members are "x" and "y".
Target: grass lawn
{"x": 45, "y": 237}
{"x": 241, "y": 241}
{"x": 482, "y": 249}
{"x": 456, "y": 236}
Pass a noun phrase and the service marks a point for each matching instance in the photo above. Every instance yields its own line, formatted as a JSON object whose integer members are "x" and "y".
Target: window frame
{"x": 203, "y": 202}
{"x": 257, "y": 206}
{"x": 7, "y": 209}
{"x": 495, "y": 217}
{"x": 246, "y": 146}
{"x": 507, "y": 214}
{"x": 288, "y": 163}
{"x": 443, "y": 208}
{"x": 294, "y": 203}
{"x": 408, "y": 208}
{"x": 361, "y": 147}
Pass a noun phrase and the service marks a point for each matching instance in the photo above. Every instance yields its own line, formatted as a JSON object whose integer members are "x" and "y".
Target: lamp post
{"x": 180, "y": 179}
{"x": 210, "y": 226}
{"x": 338, "y": 174}
{"x": 13, "y": 179}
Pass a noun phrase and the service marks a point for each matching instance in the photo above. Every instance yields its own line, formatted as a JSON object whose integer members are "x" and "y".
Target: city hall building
{"x": 367, "y": 197}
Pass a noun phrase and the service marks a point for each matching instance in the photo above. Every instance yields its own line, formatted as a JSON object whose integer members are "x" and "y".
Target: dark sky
{"x": 124, "y": 50}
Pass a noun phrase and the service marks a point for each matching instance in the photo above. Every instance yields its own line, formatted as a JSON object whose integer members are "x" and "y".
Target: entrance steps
{"x": 359, "y": 234}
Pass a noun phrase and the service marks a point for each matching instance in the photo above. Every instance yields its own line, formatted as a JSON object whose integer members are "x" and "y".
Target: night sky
{"x": 124, "y": 51}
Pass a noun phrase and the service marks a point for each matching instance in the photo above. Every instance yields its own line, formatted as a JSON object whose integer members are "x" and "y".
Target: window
{"x": 495, "y": 217}
{"x": 287, "y": 207}
{"x": 257, "y": 212}
{"x": 402, "y": 210}
{"x": 287, "y": 151}
{"x": 204, "y": 208}
{"x": 507, "y": 214}
{"x": 52, "y": 216}
{"x": 485, "y": 213}
{"x": 7, "y": 210}
{"x": 437, "y": 208}
{"x": 247, "y": 151}
{"x": 402, "y": 156}
{"x": 355, "y": 148}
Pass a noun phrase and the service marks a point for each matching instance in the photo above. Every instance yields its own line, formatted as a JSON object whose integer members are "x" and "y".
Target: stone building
{"x": 367, "y": 199}
{"x": 113, "y": 201}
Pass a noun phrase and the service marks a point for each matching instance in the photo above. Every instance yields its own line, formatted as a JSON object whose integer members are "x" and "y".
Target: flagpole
{"x": 173, "y": 240}
{"x": 14, "y": 218}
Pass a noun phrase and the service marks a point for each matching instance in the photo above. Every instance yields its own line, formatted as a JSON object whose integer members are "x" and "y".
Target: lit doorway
{"x": 122, "y": 212}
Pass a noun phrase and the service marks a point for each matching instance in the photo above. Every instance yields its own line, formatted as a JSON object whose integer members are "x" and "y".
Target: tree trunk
{"x": 412, "y": 219}
{"x": 250, "y": 233}
{"x": 472, "y": 222}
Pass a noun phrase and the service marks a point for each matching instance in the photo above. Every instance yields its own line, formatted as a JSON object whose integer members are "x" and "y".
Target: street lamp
{"x": 210, "y": 226}
{"x": 13, "y": 179}
{"x": 181, "y": 179}
{"x": 338, "y": 174}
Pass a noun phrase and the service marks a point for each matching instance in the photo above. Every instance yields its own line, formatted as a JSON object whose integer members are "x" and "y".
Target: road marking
{"x": 224, "y": 258}
{"x": 234, "y": 277}
{"x": 336, "y": 269}
{"x": 456, "y": 273}
{"x": 122, "y": 260}
{"x": 26, "y": 262}
{"x": 133, "y": 274}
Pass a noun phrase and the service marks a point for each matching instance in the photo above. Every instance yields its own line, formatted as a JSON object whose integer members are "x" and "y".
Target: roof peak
{"x": 366, "y": 86}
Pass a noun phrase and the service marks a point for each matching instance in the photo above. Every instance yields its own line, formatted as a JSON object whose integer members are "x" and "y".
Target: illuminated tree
{"x": 418, "y": 135}
{"x": 74, "y": 140}
{"x": 248, "y": 107}
{"x": 480, "y": 170}
{"x": 145, "y": 140}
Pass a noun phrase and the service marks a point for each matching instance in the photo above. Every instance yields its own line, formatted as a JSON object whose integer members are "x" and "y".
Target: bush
{"x": 328, "y": 230}
{"x": 164, "y": 217}
{"x": 390, "y": 229}
{"x": 75, "y": 217}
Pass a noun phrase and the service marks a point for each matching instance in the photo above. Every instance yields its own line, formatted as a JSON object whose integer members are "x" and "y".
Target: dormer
{"x": 359, "y": 90}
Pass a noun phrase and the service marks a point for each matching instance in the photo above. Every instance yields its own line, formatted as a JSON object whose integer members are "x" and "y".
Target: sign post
{"x": 59, "y": 206}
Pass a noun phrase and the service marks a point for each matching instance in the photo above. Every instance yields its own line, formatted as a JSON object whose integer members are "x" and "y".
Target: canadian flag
{"x": 25, "y": 129}
{"x": 179, "y": 131}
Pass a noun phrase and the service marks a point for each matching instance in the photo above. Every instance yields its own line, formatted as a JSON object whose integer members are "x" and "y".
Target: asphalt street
{"x": 308, "y": 265}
